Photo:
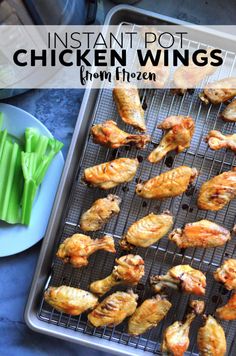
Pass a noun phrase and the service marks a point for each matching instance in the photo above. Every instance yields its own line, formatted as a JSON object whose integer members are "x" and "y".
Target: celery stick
{"x": 3, "y": 138}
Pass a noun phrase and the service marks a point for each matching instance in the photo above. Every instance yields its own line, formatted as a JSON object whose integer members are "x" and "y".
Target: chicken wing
{"x": 77, "y": 248}
{"x": 100, "y": 212}
{"x": 176, "y": 336}
{"x": 229, "y": 113}
{"x": 226, "y": 274}
{"x": 203, "y": 233}
{"x": 218, "y": 191}
{"x": 216, "y": 140}
{"x": 110, "y": 135}
{"x": 168, "y": 184}
{"x": 70, "y": 300}
{"x": 148, "y": 315}
{"x": 110, "y": 174}
{"x": 129, "y": 106}
{"x": 182, "y": 277}
{"x": 147, "y": 230}
{"x": 114, "y": 309}
{"x": 228, "y": 311}
{"x": 129, "y": 271}
{"x": 211, "y": 339}
{"x": 180, "y": 130}
{"x": 219, "y": 92}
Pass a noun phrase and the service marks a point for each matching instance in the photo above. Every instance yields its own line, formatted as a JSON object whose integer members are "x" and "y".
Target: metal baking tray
{"x": 73, "y": 198}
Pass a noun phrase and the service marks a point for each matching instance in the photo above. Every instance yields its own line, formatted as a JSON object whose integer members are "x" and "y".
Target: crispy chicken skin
{"x": 168, "y": 184}
{"x": 110, "y": 135}
{"x": 229, "y": 113}
{"x": 77, "y": 248}
{"x": 129, "y": 106}
{"x": 147, "y": 230}
{"x": 226, "y": 274}
{"x": 114, "y": 309}
{"x": 182, "y": 277}
{"x": 203, "y": 233}
{"x": 148, "y": 315}
{"x": 70, "y": 300}
{"x": 216, "y": 140}
{"x": 180, "y": 130}
{"x": 218, "y": 191}
{"x": 211, "y": 339}
{"x": 129, "y": 271}
{"x": 228, "y": 311}
{"x": 110, "y": 174}
{"x": 219, "y": 92}
{"x": 176, "y": 336}
{"x": 100, "y": 212}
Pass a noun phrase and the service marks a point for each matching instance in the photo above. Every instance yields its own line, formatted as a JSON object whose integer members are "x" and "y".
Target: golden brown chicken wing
{"x": 227, "y": 311}
{"x": 180, "y": 130}
{"x": 182, "y": 277}
{"x": 216, "y": 140}
{"x": 203, "y": 233}
{"x": 176, "y": 336}
{"x": 211, "y": 339}
{"x": 229, "y": 113}
{"x": 129, "y": 106}
{"x": 77, "y": 248}
{"x": 129, "y": 271}
{"x": 226, "y": 274}
{"x": 147, "y": 230}
{"x": 148, "y": 315}
{"x": 114, "y": 309}
{"x": 110, "y": 174}
{"x": 218, "y": 191}
{"x": 110, "y": 135}
{"x": 168, "y": 184}
{"x": 100, "y": 212}
{"x": 220, "y": 91}
{"x": 70, "y": 300}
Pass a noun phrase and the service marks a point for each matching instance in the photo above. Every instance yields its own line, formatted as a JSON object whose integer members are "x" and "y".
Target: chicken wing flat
{"x": 110, "y": 174}
{"x": 228, "y": 311}
{"x": 216, "y": 140}
{"x": 182, "y": 277}
{"x": 168, "y": 184}
{"x": 229, "y": 113}
{"x": 180, "y": 130}
{"x": 226, "y": 274}
{"x": 114, "y": 309}
{"x": 100, "y": 212}
{"x": 77, "y": 248}
{"x": 147, "y": 230}
{"x": 203, "y": 233}
{"x": 129, "y": 106}
{"x": 176, "y": 336}
{"x": 148, "y": 315}
{"x": 219, "y": 92}
{"x": 211, "y": 339}
{"x": 218, "y": 191}
{"x": 70, "y": 300}
{"x": 129, "y": 271}
{"x": 110, "y": 135}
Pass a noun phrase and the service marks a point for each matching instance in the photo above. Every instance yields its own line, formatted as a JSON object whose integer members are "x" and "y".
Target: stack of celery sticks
{"x": 22, "y": 170}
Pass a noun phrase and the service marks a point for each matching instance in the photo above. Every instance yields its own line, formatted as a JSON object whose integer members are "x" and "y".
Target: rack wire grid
{"x": 157, "y": 104}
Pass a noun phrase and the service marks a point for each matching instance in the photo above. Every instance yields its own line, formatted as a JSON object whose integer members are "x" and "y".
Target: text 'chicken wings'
{"x": 216, "y": 140}
{"x": 180, "y": 130}
{"x": 220, "y": 91}
{"x": 226, "y": 274}
{"x": 229, "y": 113}
{"x": 227, "y": 311}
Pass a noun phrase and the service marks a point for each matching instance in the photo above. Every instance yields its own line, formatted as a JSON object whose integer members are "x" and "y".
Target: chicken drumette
{"x": 176, "y": 336}
{"x": 219, "y": 92}
{"x": 70, "y": 300}
{"x": 182, "y": 277}
{"x": 226, "y": 274}
{"x": 203, "y": 233}
{"x": 228, "y": 311}
{"x": 110, "y": 174}
{"x": 114, "y": 309}
{"x": 77, "y": 248}
{"x": 147, "y": 230}
{"x": 110, "y": 135}
{"x": 216, "y": 140}
{"x": 168, "y": 184}
{"x": 229, "y": 113}
{"x": 211, "y": 339}
{"x": 100, "y": 212}
{"x": 129, "y": 271}
{"x": 180, "y": 130}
